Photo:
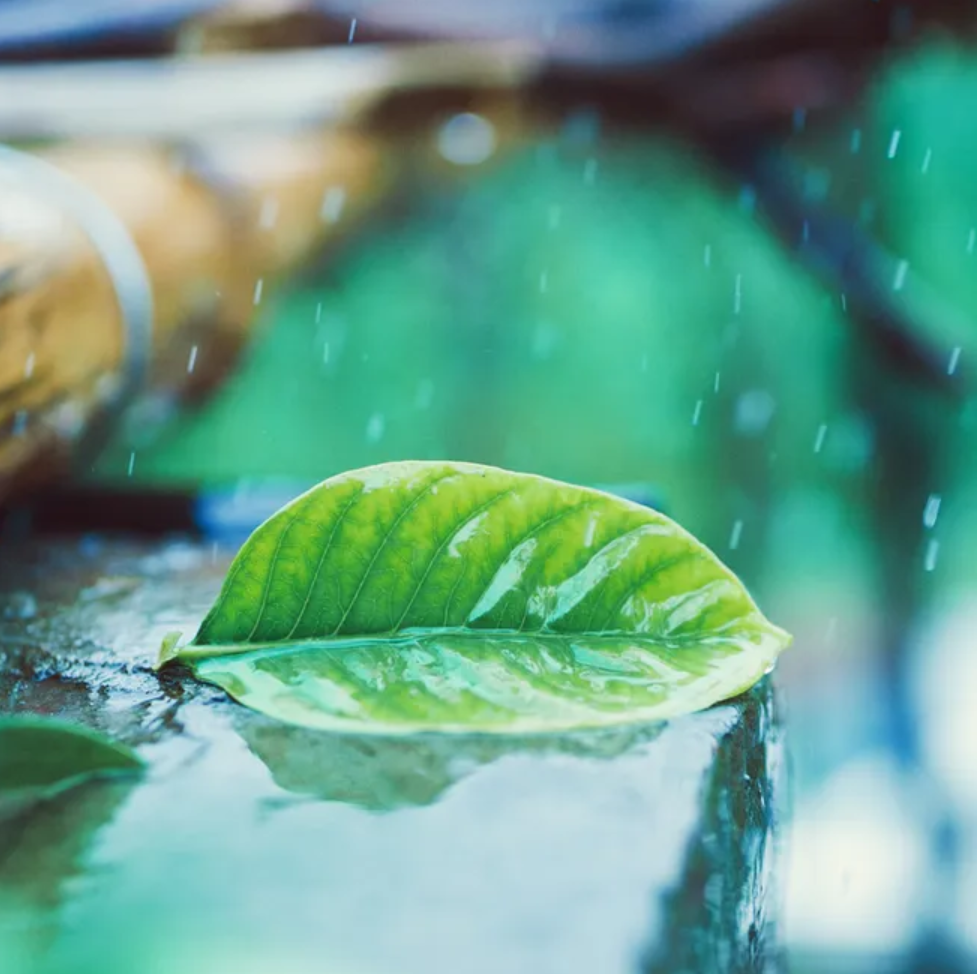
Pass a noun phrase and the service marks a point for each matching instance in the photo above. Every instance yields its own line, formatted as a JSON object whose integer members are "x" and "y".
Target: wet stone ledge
{"x": 251, "y": 845}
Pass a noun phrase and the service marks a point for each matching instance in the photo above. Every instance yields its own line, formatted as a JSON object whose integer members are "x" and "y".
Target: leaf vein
{"x": 421, "y": 494}
{"x": 643, "y": 579}
{"x": 606, "y": 578}
{"x": 322, "y": 559}
{"x": 270, "y": 572}
{"x": 459, "y": 526}
{"x": 529, "y": 535}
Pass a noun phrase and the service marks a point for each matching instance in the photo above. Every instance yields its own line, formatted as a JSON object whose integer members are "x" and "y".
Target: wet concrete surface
{"x": 253, "y": 845}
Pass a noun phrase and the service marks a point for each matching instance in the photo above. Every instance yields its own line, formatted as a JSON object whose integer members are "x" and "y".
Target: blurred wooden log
{"x": 216, "y": 219}
{"x": 215, "y": 226}
{"x": 60, "y": 331}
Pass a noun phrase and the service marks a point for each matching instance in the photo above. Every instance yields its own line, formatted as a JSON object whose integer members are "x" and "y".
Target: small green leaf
{"x": 41, "y": 757}
{"x": 170, "y": 648}
{"x": 454, "y": 597}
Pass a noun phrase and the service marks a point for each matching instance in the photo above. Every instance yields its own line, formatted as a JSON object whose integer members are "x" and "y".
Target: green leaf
{"x": 453, "y": 597}
{"x": 41, "y": 757}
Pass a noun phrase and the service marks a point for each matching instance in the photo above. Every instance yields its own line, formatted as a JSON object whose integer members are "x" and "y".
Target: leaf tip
{"x": 784, "y": 637}
{"x": 169, "y": 650}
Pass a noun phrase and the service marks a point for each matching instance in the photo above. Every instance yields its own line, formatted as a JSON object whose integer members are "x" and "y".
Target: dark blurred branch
{"x": 896, "y": 312}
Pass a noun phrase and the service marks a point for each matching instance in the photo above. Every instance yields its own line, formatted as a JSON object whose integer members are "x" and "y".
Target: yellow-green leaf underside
{"x": 454, "y": 597}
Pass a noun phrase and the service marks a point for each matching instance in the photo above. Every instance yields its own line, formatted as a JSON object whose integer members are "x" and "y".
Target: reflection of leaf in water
{"x": 720, "y": 917}
{"x": 384, "y": 773}
{"x": 42, "y": 847}
{"x": 59, "y": 783}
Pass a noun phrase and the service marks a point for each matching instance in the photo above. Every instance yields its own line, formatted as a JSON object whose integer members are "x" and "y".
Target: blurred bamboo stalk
{"x": 214, "y": 227}
{"x": 227, "y": 172}
{"x": 217, "y": 219}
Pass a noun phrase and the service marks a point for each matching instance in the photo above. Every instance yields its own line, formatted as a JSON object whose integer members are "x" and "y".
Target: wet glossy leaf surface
{"x": 437, "y": 596}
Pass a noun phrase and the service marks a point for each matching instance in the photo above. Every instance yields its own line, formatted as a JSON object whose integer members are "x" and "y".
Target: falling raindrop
{"x": 951, "y": 366}
{"x": 735, "y": 534}
{"x": 932, "y": 510}
{"x": 582, "y": 127}
{"x": 715, "y": 383}
{"x": 132, "y": 463}
{"x": 68, "y": 420}
{"x": 29, "y": 366}
{"x": 894, "y": 143}
{"x": 856, "y": 141}
{"x": 545, "y": 340}
{"x": 466, "y": 139}
{"x": 269, "y": 213}
{"x": 844, "y": 302}
{"x": 375, "y": 428}
{"x": 707, "y": 255}
{"x": 425, "y": 394}
{"x": 753, "y": 412}
{"x": 852, "y": 443}
{"x": 697, "y": 412}
{"x": 318, "y": 312}
{"x": 927, "y": 159}
{"x": 352, "y": 31}
{"x": 737, "y": 295}
{"x": 932, "y": 553}
{"x": 817, "y": 184}
{"x": 820, "y": 437}
{"x": 972, "y": 240}
{"x": 192, "y": 360}
{"x": 258, "y": 288}
{"x": 902, "y": 268}
{"x": 333, "y": 201}
{"x": 831, "y": 630}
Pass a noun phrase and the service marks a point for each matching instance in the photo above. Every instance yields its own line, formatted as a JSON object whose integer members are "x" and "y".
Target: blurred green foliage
{"x": 616, "y": 312}
{"x": 536, "y": 321}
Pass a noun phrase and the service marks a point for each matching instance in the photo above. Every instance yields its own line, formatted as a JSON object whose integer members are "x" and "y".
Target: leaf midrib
{"x": 194, "y": 651}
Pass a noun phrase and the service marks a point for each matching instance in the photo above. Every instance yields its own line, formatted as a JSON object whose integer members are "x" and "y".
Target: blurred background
{"x": 719, "y": 256}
